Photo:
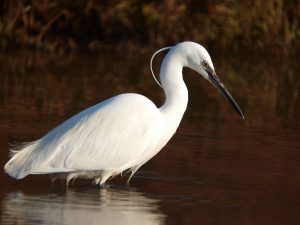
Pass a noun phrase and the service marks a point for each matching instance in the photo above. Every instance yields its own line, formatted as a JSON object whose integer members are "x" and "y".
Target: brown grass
{"x": 224, "y": 24}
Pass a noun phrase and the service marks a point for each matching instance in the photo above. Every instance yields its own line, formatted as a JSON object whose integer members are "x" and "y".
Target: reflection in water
{"x": 92, "y": 206}
{"x": 233, "y": 171}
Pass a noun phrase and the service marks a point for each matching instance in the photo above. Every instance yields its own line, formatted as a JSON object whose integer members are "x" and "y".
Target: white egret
{"x": 120, "y": 133}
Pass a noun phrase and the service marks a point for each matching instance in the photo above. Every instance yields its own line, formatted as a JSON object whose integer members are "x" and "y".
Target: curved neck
{"x": 174, "y": 87}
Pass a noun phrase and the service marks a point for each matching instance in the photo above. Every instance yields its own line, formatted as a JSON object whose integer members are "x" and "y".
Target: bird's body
{"x": 127, "y": 121}
{"x": 120, "y": 133}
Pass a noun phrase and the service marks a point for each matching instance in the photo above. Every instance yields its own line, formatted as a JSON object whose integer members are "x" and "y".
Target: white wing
{"x": 117, "y": 134}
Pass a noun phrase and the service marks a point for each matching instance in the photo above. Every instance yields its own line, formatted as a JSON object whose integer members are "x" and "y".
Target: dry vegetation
{"x": 65, "y": 25}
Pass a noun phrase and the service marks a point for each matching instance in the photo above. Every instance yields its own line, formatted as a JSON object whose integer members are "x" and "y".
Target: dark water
{"x": 217, "y": 169}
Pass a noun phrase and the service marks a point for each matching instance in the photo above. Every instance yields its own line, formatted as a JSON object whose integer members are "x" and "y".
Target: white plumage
{"x": 120, "y": 133}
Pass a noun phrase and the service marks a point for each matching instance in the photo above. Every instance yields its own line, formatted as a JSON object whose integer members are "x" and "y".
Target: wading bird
{"x": 120, "y": 133}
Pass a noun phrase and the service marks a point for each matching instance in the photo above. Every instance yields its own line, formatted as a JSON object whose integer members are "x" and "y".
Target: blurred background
{"x": 221, "y": 24}
{"x": 60, "y": 57}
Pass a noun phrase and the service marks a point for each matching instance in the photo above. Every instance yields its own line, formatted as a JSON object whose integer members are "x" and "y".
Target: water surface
{"x": 217, "y": 169}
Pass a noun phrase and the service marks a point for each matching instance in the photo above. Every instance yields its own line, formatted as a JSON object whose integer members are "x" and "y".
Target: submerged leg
{"x": 99, "y": 181}
{"x": 96, "y": 182}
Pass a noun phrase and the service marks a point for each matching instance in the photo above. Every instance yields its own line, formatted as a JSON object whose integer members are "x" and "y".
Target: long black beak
{"x": 214, "y": 79}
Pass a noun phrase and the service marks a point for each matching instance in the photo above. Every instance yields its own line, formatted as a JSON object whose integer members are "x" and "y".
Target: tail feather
{"x": 16, "y": 166}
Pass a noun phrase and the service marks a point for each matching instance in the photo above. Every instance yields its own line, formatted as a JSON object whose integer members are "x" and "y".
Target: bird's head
{"x": 197, "y": 58}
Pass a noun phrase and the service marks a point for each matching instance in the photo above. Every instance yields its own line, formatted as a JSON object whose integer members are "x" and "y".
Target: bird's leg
{"x": 97, "y": 183}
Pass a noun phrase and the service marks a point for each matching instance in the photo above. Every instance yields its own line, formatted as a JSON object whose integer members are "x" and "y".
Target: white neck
{"x": 174, "y": 87}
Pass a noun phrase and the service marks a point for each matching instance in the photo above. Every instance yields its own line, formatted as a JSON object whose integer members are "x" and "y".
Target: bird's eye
{"x": 204, "y": 64}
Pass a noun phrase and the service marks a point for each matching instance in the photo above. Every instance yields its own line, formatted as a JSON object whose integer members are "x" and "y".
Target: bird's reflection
{"x": 92, "y": 206}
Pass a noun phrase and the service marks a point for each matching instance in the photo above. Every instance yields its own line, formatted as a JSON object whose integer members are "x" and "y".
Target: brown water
{"x": 217, "y": 169}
